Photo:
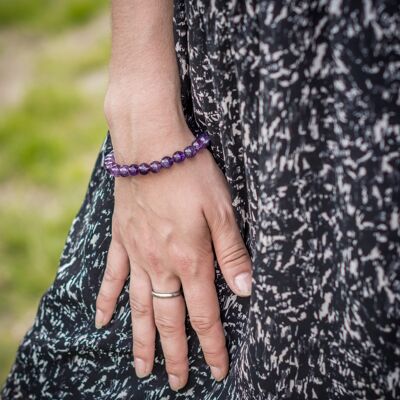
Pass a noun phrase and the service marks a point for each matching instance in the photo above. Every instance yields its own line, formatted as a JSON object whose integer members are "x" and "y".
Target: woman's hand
{"x": 164, "y": 226}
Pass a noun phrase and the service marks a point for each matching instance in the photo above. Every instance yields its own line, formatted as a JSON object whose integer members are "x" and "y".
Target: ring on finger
{"x": 166, "y": 295}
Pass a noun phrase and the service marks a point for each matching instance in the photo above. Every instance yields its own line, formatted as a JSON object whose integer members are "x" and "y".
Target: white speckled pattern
{"x": 302, "y": 102}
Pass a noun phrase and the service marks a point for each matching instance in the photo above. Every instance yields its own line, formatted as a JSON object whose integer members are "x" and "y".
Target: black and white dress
{"x": 302, "y": 102}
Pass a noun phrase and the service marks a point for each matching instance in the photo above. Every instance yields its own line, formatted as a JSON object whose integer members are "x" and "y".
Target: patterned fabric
{"x": 302, "y": 101}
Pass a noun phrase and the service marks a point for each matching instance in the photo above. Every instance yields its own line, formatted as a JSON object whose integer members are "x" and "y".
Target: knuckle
{"x": 111, "y": 274}
{"x": 152, "y": 257}
{"x": 234, "y": 255}
{"x": 140, "y": 346}
{"x": 175, "y": 363}
{"x": 153, "y": 260}
{"x": 186, "y": 265}
{"x": 203, "y": 324}
{"x": 156, "y": 270}
{"x": 166, "y": 326}
{"x": 186, "y": 262}
{"x": 215, "y": 354}
{"x": 138, "y": 308}
{"x": 103, "y": 299}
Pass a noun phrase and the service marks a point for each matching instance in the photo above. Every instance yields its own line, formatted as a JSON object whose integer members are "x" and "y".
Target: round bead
{"x": 115, "y": 171}
{"x": 123, "y": 170}
{"x": 196, "y": 145}
{"x": 195, "y": 150}
{"x": 189, "y": 151}
{"x": 144, "y": 168}
{"x": 133, "y": 170}
{"x": 155, "y": 166}
{"x": 178, "y": 156}
{"x": 204, "y": 139}
{"x": 166, "y": 162}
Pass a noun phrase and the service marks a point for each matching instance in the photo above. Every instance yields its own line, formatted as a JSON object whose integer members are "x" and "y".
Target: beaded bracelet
{"x": 166, "y": 162}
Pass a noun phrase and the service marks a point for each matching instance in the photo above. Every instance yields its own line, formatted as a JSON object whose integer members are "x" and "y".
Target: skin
{"x": 165, "y": 225}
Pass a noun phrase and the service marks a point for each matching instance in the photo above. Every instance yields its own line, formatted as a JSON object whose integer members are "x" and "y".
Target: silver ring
{"x": 169, "y": 295}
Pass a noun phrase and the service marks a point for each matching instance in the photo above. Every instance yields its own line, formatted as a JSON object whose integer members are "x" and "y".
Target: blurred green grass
{"x": 48, "y": 15}
{"x": 48, "y": 144}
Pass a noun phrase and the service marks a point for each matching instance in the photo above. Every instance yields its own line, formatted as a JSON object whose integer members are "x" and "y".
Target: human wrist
{"x": 136, "y": 99}
{"x": 150, "y": 147}
{"x": 145, "y": 126}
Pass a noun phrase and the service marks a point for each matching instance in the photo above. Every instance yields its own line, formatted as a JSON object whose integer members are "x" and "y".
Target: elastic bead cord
{"x": 117, "y": 170}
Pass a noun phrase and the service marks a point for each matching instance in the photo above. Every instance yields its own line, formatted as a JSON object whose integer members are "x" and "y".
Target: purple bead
{"x": 115, "y": 171}
{"x": 178, "y": 156}
{"x": 204, "y": 139}
{"x": 195, "y": 151}
{"x": 133, "y": 170}
{"x": 189, "y": 151}
{"x": 123, "y": 170}
{"x": 155, "y": 166}
{"x": 144, "y": 168}
{"x": 197, "y": 145}
{"x": 166, "y": 162}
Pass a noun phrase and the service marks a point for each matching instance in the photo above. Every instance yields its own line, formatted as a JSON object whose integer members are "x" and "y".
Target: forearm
{"x": 143, "y": 103}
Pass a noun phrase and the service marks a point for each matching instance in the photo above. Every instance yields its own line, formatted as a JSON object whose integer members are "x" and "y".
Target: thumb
{"x": 232, "y": 255}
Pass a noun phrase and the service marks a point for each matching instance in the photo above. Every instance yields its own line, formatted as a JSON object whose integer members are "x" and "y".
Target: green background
{"x": 53, "y": 77}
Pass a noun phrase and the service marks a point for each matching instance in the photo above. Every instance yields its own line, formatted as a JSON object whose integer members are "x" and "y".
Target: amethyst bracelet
{"x": 166, "y": 162}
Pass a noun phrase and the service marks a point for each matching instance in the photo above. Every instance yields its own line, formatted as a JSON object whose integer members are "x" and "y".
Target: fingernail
{"x": 140, "y": 368}
{"x": 243, "y": 283}
{"x": 174, "y": 382}
{"x": 217, "y": 373}
{"x": 99, "y": 319}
